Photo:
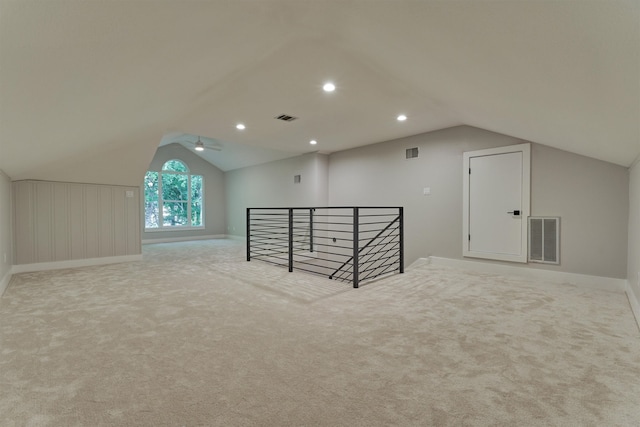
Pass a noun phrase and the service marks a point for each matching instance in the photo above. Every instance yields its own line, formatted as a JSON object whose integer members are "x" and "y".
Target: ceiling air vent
{"x": 286, "y": 118}
{"x": 412, "y": 153}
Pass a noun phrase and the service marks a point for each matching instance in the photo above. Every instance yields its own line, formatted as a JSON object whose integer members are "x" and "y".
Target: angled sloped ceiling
{"x": 88, "y": 89}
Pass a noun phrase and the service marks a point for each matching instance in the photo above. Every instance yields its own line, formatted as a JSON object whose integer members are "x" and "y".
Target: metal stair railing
{"x": 397, "y": 219}
{"x": 327, "y": 240}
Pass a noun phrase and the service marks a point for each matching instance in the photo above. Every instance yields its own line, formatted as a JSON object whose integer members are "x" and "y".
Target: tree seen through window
{"x": 173, "y": 197}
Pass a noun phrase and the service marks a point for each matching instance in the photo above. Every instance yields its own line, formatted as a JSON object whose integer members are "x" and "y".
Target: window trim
{"x": 161, "y": 201}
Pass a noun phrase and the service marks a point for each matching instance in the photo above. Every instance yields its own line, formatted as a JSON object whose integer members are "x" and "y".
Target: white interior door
{"x": 497, "y": 203}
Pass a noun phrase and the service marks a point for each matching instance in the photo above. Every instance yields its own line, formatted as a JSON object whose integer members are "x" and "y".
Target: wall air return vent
{"x": 286, "y": 118}
{"x": 544, "y": 239}
{"x": 412, "y": 153}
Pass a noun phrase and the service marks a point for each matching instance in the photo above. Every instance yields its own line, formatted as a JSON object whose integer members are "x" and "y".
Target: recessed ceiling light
{"x": 240, "y": 126}
{"x": 329, "y": 87}
{"x": 401, "y": 118}
{"x": 313, "y": 142}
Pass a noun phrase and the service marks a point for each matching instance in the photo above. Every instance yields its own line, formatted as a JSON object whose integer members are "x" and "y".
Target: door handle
{"x": 515, "y": 213}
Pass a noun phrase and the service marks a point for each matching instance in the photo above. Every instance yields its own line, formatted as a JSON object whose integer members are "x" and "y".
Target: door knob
{"x": 515, "y": 213}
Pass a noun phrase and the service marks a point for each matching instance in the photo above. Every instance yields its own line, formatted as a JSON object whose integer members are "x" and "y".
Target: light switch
{"x": 129, "y": 193}
{"x": 426, "y": 191}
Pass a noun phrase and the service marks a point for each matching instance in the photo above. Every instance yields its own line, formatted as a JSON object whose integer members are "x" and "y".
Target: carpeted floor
{"x": 196, "y": 336}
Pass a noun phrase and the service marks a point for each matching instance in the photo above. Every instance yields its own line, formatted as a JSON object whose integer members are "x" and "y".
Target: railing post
{"x": 401, "y": 231}
{"x": 248, "y": 234}
{"x": 356, "y": 236}
{"x": 311, "y": 229}
{"x": 290, "y": 240}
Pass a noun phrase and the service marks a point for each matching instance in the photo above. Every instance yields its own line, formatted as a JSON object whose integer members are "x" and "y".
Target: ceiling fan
{"x": 201, "y": 146}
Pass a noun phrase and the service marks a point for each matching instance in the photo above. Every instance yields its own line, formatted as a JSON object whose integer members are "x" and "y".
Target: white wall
{"x": 592, "y": 199}
{"x": 6, "y": 233}
{"x": 591, "y": 196}
{"x": 633, "y": 263}
{"x": 214, "y": 199}
{"x": 271, "y": 185}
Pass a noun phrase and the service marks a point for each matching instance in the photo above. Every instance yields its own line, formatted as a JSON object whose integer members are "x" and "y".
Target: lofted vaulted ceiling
{"x": 89, "y": 87}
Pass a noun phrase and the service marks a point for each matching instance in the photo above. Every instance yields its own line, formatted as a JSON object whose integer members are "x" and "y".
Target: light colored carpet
{"x": 196, "y": 336}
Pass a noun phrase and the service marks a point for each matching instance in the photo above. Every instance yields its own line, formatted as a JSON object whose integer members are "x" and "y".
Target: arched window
{"x": 173, "y": 198}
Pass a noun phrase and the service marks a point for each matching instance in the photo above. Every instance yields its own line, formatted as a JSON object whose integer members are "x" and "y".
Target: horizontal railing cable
{"x": 349, "y": 244}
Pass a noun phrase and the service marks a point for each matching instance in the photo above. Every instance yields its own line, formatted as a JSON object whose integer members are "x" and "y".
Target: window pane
{"x": 151, "y": 215}
{"x": 151, "y": 186}
{"x": 151, "y": 210}
{"x": 175, "y": 214}
{"x": 196, "y": 200}
{"x": 175, "y": 186}
{"x": 175, "y": 165}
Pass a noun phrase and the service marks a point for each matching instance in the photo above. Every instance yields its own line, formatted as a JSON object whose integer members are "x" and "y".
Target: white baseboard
{"x": 582, "y": 280}
{"x": 634, "y": 302}
{"x": 5, "y": 282}
{"x": 183, "y": 239}
{"x": 74, "y": 263}
{"x": 234, "y": 237}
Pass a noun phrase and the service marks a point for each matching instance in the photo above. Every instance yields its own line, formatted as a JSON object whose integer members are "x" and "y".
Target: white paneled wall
{"x": 6, "y": 235}
{"x": 59, "y": 221}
